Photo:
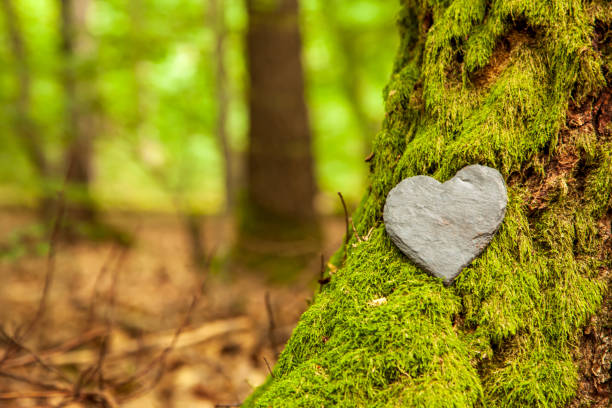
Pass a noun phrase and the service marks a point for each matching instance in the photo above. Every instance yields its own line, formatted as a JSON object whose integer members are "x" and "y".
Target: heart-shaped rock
{"x": 442, "y": 227}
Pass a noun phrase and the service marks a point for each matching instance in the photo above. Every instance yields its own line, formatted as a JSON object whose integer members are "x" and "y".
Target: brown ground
{"x": 218, "y": 358}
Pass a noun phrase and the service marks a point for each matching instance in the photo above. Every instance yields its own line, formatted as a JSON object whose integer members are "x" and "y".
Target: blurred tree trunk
{"x": 280, "y": 174}
{"x": 217, "y": 21}
{"x": 24, "y": 124}
{"x": 280, "y": 180}
{"x": 80, "y": 122}
{"x": 524, "y": 87}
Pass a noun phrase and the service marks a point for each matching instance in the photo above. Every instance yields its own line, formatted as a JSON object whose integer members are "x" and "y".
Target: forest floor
{"x": 109, "y": 328}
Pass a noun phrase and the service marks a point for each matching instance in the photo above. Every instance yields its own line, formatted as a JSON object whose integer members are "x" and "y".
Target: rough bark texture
{"x": 280, "y": 174}
{"x": 496, "y": 83}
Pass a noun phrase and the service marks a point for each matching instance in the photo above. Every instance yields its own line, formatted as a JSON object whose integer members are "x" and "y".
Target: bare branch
{"x": 18, "y": 346}
{"x": 160, "y": 361}
{"x": 50, "y": 269}
{"x": 67, "y": 346}
{"x": 32, "y": 394}
{"x": 36, "y": 383}
{"x": 269, "y": 368}
{"x": 346, "y": 222}
{"x": 271, "y": 324}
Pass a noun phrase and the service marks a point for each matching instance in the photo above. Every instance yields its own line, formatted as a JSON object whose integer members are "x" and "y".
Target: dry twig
{"x": 268, "y": 365}
{"x": 80, "y": 390}
{"x": 346, "y": 222}
{"x": 160, "y": 361}
{"x": 322, "y": 279}
{"x": 49, "y": 272}
{"x": 271, "y": 324}
{"x": 18, "y": 346}
{"x": 61, "y": 349}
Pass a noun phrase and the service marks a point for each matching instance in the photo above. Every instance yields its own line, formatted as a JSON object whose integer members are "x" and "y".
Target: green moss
{"x": 502, "y": 336}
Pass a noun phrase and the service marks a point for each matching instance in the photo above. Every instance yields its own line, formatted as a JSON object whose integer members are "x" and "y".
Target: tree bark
{"x": 280, "y": 174}
{"x": 523, "y": 87}
{"x": 80, "y": 124}
{"x": 278, "y": 226}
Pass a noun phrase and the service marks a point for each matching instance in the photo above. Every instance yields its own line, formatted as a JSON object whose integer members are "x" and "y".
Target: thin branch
{"x": 88, "y": 374}
{"x": 67, "y": 346}
{"x": 39, "y": 384}
{"x": 271, "y": 324}
{"x": 322, "y": 279}
{"x": 160, "y": 361}
{"x": 75, "y": 392}
{"x": 32, "y": 394}
{"x": 110, "y": 319}
{"x": 49, "y": 272}
{"x": 13, "y": 342}
{"x": 346, "y": 222}
{"x": 268, "y": 365}
{"x": 95, "y": 291}
{"x": 217, "y": 17}
{"x": 50, "y": 265}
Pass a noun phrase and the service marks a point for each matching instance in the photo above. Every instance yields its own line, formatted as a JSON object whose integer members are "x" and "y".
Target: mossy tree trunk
{"x": 521, "y": 86}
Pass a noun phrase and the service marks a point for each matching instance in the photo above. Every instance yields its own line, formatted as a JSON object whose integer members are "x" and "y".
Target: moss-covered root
{"x": 486, "y": 82}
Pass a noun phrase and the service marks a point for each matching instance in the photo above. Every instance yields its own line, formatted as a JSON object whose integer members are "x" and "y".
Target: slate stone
{"x": 443, "y": 227}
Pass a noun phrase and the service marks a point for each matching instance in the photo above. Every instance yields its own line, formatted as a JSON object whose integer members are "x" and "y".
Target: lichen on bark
{"x": 486, "y": 82}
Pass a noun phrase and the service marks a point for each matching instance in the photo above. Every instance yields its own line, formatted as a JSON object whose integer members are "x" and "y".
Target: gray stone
{"x": 444, "y": 227}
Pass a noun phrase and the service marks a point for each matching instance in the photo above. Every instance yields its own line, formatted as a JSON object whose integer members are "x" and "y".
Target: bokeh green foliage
{"x": 505, "y": 333}
{"x": 153, "y": 74}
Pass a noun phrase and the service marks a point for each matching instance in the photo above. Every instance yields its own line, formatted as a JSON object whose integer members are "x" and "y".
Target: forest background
{"x": 137, "y": 98}
{"x": 151, "y": 66}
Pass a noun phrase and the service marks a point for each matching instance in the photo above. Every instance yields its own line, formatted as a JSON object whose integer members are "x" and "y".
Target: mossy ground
{"x": 487, "y": 82}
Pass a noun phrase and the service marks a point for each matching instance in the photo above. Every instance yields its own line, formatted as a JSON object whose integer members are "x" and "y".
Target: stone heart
{"x": 442, "y": 227}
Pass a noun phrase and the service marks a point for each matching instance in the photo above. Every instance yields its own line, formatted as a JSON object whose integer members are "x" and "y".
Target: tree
{"x": 80, "y": 121}
{"x": 222, "y": 97}
{"x": 280, "y": 180}
{"x": 523, "y": 87}
{"x": 25, "y": 127}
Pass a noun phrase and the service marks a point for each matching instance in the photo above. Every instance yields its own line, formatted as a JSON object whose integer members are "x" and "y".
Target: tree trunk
{"x": 80, "y": 120}
{"x": 280, "y": 178}
{"x": 523, "y": 87}
{"x": 217, "y": 21}
{"x": 25, "y": 126}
